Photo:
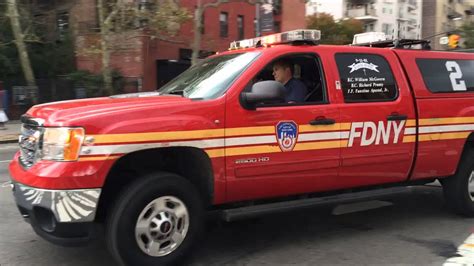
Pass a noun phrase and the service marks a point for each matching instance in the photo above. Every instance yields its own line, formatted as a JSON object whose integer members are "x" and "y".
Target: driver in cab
{"x": 295, "y": 90}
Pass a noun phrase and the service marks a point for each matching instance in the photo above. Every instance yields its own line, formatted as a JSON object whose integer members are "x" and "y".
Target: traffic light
{"x": 453, "y": 41}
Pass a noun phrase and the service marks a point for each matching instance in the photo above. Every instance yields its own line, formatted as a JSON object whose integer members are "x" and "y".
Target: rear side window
{"x": 445, "y": 75}
{"x": 366, "y": 78}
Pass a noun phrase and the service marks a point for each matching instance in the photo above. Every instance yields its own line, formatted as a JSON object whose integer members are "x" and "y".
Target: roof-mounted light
{"x": 369, "y": 37}
{"x": 310, "y": 36}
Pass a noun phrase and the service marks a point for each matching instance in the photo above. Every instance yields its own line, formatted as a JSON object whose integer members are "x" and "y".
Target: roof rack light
{"x": 310, "y": 36}
{"x": 399, "y": 44}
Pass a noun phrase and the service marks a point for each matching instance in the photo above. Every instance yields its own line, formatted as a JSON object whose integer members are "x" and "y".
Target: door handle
{"x": 396, "y": 117}
{"x": 322, "y": 121}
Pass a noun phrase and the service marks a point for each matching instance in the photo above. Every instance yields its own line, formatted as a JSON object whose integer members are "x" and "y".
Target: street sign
{"x": 444, "y": 40}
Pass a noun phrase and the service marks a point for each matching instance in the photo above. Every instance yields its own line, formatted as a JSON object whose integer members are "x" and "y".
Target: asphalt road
{"x": 414, "y": 228}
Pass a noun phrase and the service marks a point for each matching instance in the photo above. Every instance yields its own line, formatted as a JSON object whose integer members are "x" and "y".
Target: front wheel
{"x": 459, "y": 188}
{"x": 154, "y": 221}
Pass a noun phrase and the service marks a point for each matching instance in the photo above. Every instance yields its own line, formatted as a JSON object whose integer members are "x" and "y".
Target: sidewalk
{"x": 10, "y": 134}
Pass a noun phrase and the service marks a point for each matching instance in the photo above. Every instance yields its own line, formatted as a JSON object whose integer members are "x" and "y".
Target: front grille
{"x": 29, "y": 141}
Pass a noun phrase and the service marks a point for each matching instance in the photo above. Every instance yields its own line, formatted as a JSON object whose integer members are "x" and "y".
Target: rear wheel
{"x": 459, "y": 189}
{"x": 155, "y": 221}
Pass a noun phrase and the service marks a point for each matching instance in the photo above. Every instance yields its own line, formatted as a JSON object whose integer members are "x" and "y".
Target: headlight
{"x": 62, "y": 144}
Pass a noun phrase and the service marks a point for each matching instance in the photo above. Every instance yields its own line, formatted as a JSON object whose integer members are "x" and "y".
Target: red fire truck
{"x": 223, "y": 138}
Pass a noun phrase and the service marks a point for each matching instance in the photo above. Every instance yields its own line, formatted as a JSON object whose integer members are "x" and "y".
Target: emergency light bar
{"x": 312, "y": 36}
{"x": 368, "y": 37}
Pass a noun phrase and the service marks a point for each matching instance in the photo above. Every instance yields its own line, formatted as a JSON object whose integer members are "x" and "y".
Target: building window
{"x": 240, "y": 27}
{"x": 276, "y": 7}
{"x": 224, "y": 23}
{"x": 356, "y": 80}
{"x": 277, "y": 26}
{"x": 439, "y": 78}
{"x": 387, "y": 28}
{"x": 369, "y": 27}
{"x": 62, "y": 23}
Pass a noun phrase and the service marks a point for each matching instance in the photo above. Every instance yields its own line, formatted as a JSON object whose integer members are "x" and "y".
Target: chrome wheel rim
{"x": 162, "y": 226}
{"x": 470, "y": 185}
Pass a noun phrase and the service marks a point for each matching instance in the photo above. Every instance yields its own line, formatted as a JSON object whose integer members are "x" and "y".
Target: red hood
{"x": 68, "y": 112}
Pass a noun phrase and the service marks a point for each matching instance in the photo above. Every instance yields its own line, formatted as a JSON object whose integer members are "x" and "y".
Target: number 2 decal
{"x": 455, "y": 76}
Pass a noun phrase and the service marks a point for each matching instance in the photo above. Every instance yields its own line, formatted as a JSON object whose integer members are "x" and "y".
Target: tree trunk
{"x": 12, "y": 11}
{"x": 105, "y": 50}
{"x": 106, "y": 72}
{"x": 197, "y": 32}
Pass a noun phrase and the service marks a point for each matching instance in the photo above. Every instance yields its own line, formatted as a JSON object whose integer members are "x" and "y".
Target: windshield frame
{"x": 223, "y": 90}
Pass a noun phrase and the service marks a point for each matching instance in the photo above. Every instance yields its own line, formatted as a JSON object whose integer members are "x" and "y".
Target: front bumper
{"x": 63, "y": 217}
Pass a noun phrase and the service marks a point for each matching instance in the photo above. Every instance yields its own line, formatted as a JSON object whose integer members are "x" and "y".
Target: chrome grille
{"x": 29, "y": 141}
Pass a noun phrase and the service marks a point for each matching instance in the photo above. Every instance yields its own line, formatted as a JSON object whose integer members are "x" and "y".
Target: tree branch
{"x": 33, "y": 40}
{"x": 111, "y": 16}
{"x": 6, "y": 43}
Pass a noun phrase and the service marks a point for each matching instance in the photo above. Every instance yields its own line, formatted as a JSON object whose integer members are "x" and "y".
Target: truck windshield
{"x": 210, "y": 78}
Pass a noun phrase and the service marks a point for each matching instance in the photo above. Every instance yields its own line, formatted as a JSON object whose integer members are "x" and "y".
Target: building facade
{"x": 149, "y": 63}
{"x": 333, "y": 7}
{"x": 398, "y": 19}
{"x": 441, "y": 17}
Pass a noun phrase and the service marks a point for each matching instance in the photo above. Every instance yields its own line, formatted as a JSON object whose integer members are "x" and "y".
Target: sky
{"x": 333, "y": 7}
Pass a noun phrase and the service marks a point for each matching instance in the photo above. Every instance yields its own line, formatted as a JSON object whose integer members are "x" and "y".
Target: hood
{"x": 68, "y": 112}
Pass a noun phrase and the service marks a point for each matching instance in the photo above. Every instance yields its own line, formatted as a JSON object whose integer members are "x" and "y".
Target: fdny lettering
{"x": 370, "y": 133}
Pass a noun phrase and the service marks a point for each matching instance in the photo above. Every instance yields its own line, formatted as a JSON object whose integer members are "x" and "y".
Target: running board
{"x": 277, "y": 207}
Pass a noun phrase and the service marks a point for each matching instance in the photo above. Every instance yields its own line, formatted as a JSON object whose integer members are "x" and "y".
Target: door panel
{"x": 266, "y": 168}
{"x": 275, "y": 151}
{"x": 380, "y": 111}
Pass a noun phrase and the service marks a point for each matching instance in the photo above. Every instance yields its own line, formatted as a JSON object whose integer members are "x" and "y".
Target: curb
{"x": 8, "y": 141}
{"x": 10, "y": 138}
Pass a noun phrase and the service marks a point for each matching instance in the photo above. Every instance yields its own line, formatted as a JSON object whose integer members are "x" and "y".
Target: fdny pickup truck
{"x": 222, "y": 138}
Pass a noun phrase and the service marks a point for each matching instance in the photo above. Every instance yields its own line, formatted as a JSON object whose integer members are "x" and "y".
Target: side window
{"x": 446, "y": 75}
{"x": 366, "y": 78}
{"x": 301, "y": 75}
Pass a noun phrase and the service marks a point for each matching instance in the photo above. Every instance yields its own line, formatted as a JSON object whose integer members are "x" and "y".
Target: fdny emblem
{"x": 287, "y": 135}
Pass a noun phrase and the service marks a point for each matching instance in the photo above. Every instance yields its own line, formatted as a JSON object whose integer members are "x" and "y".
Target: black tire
{"x": 122, "y": 219}
{"x": 456, "y": 187}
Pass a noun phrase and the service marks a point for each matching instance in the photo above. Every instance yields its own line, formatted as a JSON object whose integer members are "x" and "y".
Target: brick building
{"x": 148, "y": 63}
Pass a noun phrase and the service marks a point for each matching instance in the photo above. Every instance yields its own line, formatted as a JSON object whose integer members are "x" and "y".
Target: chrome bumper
{"x": 67, "y": 206}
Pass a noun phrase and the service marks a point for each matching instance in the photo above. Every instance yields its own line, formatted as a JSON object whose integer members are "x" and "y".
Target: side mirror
{"x": 263, "y": 92}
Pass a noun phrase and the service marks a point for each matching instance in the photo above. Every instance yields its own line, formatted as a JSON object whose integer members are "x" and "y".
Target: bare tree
{"x": 12, "y": 13}
{"x": 117, "y": 17}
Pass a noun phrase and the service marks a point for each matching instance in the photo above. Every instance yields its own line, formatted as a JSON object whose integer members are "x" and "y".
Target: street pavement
{"x": 413, "y": 228}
